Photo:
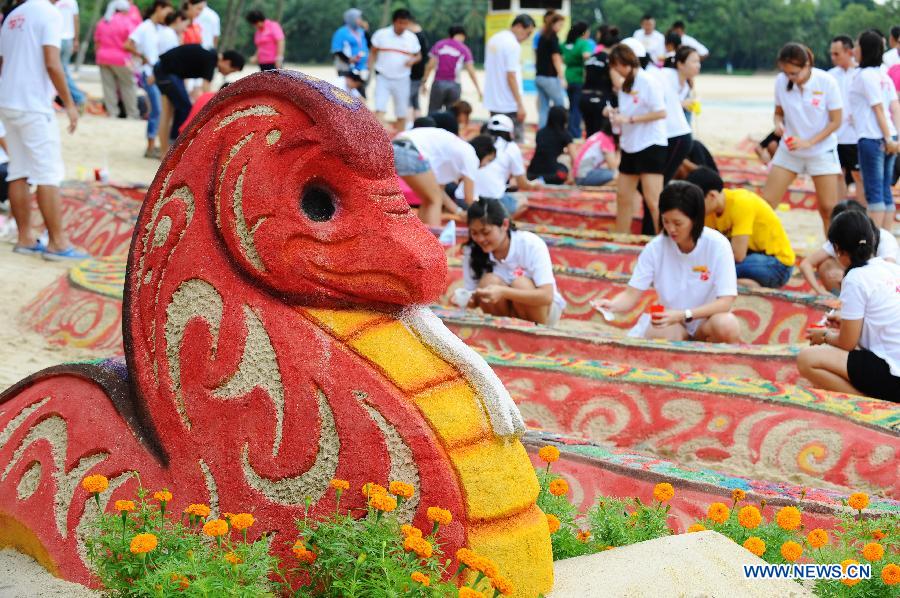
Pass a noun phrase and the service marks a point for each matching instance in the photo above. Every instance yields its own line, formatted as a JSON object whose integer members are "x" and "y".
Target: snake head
{"x": 306, "y": 198}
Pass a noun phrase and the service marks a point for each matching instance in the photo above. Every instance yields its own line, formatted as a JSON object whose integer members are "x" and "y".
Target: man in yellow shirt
{"x": 762, "y": 251}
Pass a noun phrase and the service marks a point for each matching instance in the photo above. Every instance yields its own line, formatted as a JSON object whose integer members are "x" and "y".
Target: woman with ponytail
{"x": 859, "y": 352}
{"x": 641, "y": 116}
{"x": 873, "y": 106}
{"x": 808, "y": 108}
{"x": 507, "y": 272}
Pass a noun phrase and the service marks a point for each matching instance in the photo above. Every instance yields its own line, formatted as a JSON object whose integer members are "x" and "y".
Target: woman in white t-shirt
{"x": 428, "y": 158}
{"x": 493, "y": 178}
{"x": 874, "y": 108}
{"x": 824, "y": 261}
{"x": 507, "y": 272}
{"x": 862, "y": 356}
{"x": 641, "y": 116}
{"x": 677, "y": 85}
{"x": 691, "y": 268}
{"x": 808, "y": 108}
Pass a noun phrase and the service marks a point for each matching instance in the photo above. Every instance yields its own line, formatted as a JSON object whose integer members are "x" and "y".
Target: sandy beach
{"x": 733, "y": 107}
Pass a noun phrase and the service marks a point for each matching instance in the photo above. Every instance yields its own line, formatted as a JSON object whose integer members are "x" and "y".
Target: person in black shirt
{"x": 417, "y": 72}
{"x": 550, "y": 75}
{"x": 190, "y": 61}
{"x": 553, "y": 140}
{"x": 598, "y": 88}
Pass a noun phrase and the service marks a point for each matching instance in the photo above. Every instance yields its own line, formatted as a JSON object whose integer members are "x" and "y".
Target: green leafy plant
{"x": 613, "y": 522}
{"x": 140, "y": 550}
{"x": 369, "y": 554}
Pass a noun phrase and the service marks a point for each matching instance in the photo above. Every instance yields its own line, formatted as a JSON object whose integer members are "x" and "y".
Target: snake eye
{"x": 317, "y": 204}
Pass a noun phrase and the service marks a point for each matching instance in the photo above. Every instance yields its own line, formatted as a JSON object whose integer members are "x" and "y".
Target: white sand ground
{"x": 699, "y": 565}
{"x": 733, "y": 108}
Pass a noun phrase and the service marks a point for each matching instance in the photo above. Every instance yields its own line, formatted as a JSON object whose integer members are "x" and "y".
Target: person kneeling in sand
{"x": 863, "y": 355}
{"x": 691, "y": 268}
{"x": 507, "y": 272}
{"x": 824, "y": 261}
{"x": 762, "y": 252}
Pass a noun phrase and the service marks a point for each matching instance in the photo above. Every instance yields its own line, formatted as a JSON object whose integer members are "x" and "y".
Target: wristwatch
{"x": 688, "y": 316}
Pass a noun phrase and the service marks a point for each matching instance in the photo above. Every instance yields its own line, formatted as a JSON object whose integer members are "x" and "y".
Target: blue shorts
{"x": 407, "y": 159}
{"x": 764, "y": 269}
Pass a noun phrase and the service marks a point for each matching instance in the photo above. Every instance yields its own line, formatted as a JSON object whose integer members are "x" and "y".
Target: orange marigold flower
{"x": 549, "y": 454}
{"x": 143, "y": 543}
{"x": 553, "y": 523}
{"x": 559, "y": 487}
{"x": 305, "y": 556}
{"x": 409, "y": 530}
{"x": 844, "y": 564}
{"x": 890, "y": 575}
{"x": 95, "y": 484}
{"x": 466, "y": 557}
{"x": 418, "y": 545}
{"x": 663, "y": 492}
{"x": 878, "y": 534}
{"x": 788, "y": 518}
{"x": 737, "y": 495}
{"x": 215, "y": 528}
{"x": 124, "y": 506}
{"x": 486, "y": 566}
{"x": 791, "y": 551}
{"x": 749, "y": 517}
{"x": 873, "y": 551}
{"x": 181, "y": 580}
{"x": 817, "y": 538}
{"x": 402, "y": 489}
{"x": 858, "y": 500}
{"x": 755, "y": 545}
{"x": 233, "y": 558}
{"x": 200, "y": 510}
{"x": 718, "y": 512}
{"x": 439, "y": 515}
{"x": 584, "y": 535}
{"x": 421, "y": 578}
{"x": 502, "y": 585}
{"x": 697, "y": 527}
{"x": 163, "y": 496}
{"x": 242, "y": 521}
{"x": 470, "y": 593}
{"x": 340, "y": 484}
{"x": 370, "y": 489}
{"x": 383, "y": 502}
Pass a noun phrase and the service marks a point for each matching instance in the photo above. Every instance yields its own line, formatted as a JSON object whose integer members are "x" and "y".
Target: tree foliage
{"x": 745, "y": 33}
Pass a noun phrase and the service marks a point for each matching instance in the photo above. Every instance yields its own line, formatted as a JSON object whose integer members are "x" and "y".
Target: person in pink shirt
{"x": 269, "y": 40}
{"x": 116, "y": 76}
{"x": 597, "y": 161}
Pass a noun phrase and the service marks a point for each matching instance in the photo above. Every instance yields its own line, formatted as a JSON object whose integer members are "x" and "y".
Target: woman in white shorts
{"x": 691, "y": 267}
{"x": 808, "y": 108}
{"x": 507, "y": 272}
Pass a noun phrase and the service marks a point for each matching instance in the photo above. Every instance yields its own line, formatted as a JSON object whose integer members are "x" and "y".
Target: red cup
{"x": 656, "y": 310}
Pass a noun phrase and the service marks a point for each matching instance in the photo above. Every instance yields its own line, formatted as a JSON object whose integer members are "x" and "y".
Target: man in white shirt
{"x": 70, "y": 30}
{"x": 652, "y": 40}
{"x": 691, "y": 42}
{"x": 210, "y": 27}
{"x": 892, "y": 56}
{"x": 503, "y": 72}
{"x": 394, "y": 50}
{"x": 31, "y": 74}
{"x": 843, "y": 72}
{"x": 143, "y": 44}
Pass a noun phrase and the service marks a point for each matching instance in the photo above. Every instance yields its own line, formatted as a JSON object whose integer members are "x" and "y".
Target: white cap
{"x": 501, "y": 122}
{"x": 639, "y": 50}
